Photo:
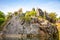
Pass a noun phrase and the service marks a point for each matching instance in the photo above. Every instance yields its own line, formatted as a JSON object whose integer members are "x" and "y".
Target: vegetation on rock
{"x": 31, "y": 18}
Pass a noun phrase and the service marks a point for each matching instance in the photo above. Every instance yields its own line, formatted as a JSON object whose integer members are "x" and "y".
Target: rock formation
{"x": 38, "y": 26}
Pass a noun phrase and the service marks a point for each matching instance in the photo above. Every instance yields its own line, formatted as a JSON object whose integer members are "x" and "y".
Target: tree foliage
{"x": 59, "y": 18}
{"x": 8, "y": 16}
{"x": 53, "y": 16}
{"x": 29, "y": 14}
{"x": 2, "y": 17}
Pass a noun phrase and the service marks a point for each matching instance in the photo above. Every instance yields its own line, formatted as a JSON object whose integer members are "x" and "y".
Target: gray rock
{"x": 43, "y": 27}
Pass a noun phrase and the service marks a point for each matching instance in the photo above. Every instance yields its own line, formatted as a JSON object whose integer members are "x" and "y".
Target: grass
{"x": 58, "y": 26}
{"x": 59, "y": 32}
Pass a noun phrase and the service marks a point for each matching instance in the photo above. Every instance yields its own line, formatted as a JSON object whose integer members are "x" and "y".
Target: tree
{"x": 27, "y": 16}
{"x": 2, "y": 17}
{"x": 53, "y": 17}
{"x": 59, "y": 18}
{"x": 8, "y": 16}
{"x": 31, "y": 13}
{"x": 15, "y": 13}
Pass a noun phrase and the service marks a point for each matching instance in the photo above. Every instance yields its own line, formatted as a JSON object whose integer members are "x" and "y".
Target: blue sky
{"x": 14, "y": 5}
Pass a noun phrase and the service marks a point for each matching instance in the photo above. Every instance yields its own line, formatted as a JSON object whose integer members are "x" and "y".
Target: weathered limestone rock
{"x": 41, "y": 27}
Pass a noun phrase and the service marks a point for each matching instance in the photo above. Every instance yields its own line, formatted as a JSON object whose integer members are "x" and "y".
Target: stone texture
{"x": 42, "y": 27}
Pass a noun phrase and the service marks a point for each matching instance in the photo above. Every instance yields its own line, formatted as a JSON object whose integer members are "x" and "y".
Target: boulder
{"x": 41, "y": 27}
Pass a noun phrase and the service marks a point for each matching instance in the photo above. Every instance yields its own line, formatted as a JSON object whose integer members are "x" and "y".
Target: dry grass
{"x": 59, "y": 33}
{"x": 58, "y": 26}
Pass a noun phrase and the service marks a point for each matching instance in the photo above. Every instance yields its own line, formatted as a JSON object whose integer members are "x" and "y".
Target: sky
{"x": 45, "y": 5}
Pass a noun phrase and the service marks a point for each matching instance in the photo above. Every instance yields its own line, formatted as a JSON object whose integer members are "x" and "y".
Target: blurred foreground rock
{"x": 37, "y": 26}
